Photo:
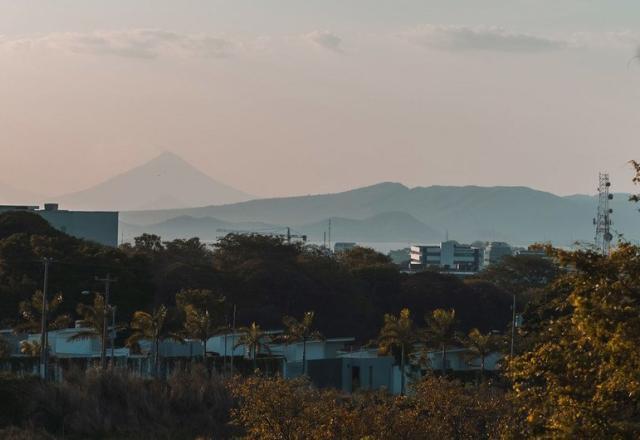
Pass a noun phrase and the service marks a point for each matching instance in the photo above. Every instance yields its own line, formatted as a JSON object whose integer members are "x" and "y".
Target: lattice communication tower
{"x": 603, "y": 222}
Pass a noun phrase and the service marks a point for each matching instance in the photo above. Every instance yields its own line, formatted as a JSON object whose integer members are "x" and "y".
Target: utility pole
{"x": 44, "y": 336}
{"x": 233, "y": 336}
{"x": 513, "y": 324}
{"x": 112, "y": 333}
{"x": 105, "y": 323}
{"x": 224, "y": 358}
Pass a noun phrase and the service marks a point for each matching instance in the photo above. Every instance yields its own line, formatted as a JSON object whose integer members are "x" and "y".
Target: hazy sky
{"x": 279, "y": 97}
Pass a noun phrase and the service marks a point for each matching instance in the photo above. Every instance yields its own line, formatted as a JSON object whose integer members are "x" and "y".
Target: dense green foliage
{"x": 264, "y": 277}
{"x": 112, "y": 405}
{"x": 579, "y": 374}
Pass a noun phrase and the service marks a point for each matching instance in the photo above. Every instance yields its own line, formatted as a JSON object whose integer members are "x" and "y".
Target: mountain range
{"x": 393, "y": 212}
{"x": 171, "y": 198}
{"x": 386, "y": 227}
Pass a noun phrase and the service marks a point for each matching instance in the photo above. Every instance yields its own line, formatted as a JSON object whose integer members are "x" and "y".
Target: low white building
{"x": 229, "y": 344}
{"x": 317, "y": 349}
{"x": 169, "y": 348}
{"x": 460, "y": 359}
{"x": 223, "y": 345}
{"x": 62, "y": 345}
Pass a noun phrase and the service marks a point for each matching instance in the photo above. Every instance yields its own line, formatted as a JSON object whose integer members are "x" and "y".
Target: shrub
{"x": 273, "y": 408}
{"x": 114, "y": 404}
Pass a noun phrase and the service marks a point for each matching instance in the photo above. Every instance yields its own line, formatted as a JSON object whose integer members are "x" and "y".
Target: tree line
{"x": 264, "y": 278}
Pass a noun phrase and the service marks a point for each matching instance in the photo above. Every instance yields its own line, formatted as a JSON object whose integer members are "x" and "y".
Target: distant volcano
{"x": 165, "y": 182}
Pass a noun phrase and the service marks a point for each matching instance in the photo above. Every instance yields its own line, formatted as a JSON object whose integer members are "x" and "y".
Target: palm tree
{"x": 31, "y": 314}
{"x": 480, "y": 346}
{"x": 201, "y": 325}
{"x": 398, "y": 333}
{"x": 154, "y": 327}
{"x": 301, "y": 331}
{"x": 91, "y": 326}
{"x": 203, "y": 315}
{"x": 441, "y": 331}
{"x": 30, "y": 348}
{"x": 255, "y": 339}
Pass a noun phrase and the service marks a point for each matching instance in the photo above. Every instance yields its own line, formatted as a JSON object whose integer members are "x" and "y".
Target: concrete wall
{"x": 373, "y": 373}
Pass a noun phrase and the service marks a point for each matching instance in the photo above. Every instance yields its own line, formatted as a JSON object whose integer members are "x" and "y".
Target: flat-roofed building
{"x": 530, "y": 252}
{"x": 448, "y": 256}
{"x": 98, "y": 226}
{"x": 496, "y": 251}
{"x": 343, "y": 247}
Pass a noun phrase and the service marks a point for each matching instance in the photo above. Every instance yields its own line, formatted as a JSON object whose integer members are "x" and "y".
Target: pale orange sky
{"x": 279, "y": 98}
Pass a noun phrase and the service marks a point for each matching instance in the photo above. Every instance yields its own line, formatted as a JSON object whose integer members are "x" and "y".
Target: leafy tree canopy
{"x": 581, "y": 379}
{"x": 520, "y": 273}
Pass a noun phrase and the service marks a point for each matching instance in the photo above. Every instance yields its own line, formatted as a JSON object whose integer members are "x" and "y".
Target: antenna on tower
{"x": 603, "y": 222}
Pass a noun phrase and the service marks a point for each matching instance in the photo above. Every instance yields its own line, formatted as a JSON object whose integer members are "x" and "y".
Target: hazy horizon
{"x": 289, "y": 98}
{"x": 44, "y": 197}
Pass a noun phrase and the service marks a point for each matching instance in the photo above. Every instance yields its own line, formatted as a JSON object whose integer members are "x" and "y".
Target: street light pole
{"x": 112, "y": 333}
{"x": 44, "y": 337}
{"x": 105, "y": 323}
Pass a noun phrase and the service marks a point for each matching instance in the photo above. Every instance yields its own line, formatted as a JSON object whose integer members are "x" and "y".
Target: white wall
{"x": 60, "y": 345}
{"x": 216, "y": 344}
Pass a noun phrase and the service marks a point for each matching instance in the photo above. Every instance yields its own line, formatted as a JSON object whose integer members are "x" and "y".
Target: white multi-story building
{"x": 449, "y": 256}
